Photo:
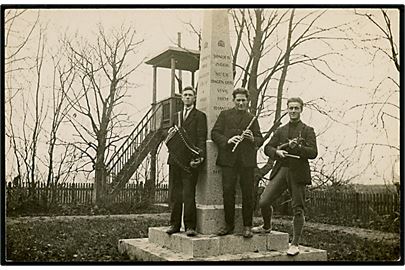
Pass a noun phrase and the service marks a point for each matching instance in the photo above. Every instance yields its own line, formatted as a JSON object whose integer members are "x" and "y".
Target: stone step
{"x": 210, "y": 245}
{"x": 141, "y": 249}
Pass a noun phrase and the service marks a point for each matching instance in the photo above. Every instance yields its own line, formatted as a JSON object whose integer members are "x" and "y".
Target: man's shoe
{"x": 191, "y": 232}
{"x": 247, "y": 232}
{"x": 260, "y": 229}
{"x": 172, "y": 230}
{"x": 225, "y": 231}
{"x": 293, "y": 250}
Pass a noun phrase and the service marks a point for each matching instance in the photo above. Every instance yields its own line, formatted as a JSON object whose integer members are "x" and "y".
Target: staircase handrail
{"x": 132, "y": 137}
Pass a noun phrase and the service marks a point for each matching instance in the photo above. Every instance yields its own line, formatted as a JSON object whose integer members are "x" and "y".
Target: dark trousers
{"x": 246, "y": 179}
{"x": 183, "y": 191}
{"x": 275, "y": 188}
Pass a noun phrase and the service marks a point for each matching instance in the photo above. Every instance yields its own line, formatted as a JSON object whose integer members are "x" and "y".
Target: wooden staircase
{"x": 147, "y": 135}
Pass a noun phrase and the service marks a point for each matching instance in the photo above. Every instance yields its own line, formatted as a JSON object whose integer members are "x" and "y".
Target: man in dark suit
{"x": 291, "y": 146}
{"x": 194, "y": 122}
{"x": 230, "y": 129}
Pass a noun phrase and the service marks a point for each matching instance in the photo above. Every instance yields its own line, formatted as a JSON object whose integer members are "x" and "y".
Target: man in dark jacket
{"x": 194, "y": 122}
{"x": 231, "y": 128}
{"x": 291, "y": 146}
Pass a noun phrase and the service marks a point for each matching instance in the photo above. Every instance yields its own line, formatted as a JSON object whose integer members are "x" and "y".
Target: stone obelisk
{"x": 215, "y": 86}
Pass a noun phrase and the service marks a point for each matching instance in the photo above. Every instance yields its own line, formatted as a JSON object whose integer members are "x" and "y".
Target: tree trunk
{"x": 150, "y": 183}
{"x": 285, "y": 68}
{"x": 256, "y": 56}
{"x": 261, "y": 172}
{"x": 100, "y": 174}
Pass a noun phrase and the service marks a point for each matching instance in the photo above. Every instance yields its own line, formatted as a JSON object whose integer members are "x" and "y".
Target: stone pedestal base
{"x": 211, "y": 218}
{"x": 178, "y": 247}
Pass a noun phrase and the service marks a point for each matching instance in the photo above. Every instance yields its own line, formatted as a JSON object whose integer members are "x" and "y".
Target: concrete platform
{"x": 209, "y": 245}
{"x": 179, "y": 247}
{"x": 141, "y": 249}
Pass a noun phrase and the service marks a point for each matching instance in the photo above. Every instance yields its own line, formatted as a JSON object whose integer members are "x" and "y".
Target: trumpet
{"x": 241, "y": 136}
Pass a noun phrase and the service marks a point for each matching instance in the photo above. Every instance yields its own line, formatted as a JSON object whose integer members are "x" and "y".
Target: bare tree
{"x": 38, "y": 105}
{"x": 259, "y": 44}
{"x": 334, "y": 171}
{"x": 63, "y": 79}
{"x": 102, "y": 73}
{"x": 16, "y": 39}
{"x": 26, "y": 143}
{"x": 386, "y": 45}
{"x": 381, "y": 112}
{"x": 384, "y": 25}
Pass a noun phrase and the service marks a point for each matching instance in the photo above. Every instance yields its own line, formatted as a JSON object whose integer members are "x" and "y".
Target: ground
{"x": 94, "y": 238}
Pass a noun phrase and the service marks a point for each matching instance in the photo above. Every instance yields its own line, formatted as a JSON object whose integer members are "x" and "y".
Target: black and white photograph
{"x": 202, "y": 134}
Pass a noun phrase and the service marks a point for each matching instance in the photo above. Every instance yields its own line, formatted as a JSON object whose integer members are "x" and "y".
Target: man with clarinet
{"x": 237, "y": 135}
{"x": 291, "y": 146}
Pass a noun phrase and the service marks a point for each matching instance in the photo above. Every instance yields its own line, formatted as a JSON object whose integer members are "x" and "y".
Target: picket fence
{"x": 79, "y": 193}
{"x": 343, "y": 204}
{"x": 347, "y": 205}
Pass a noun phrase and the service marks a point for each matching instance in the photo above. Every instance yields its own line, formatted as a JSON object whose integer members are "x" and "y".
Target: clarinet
{"x": 248, "y": 127}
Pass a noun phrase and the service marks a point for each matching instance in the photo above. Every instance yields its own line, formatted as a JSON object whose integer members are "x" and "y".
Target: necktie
{"x": 186, "y": 112}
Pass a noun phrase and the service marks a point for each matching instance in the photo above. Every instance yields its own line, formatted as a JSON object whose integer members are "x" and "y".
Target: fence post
{"x": 73, "y": 193}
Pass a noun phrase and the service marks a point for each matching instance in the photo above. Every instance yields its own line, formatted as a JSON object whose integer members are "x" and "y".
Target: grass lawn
{"x": 95, "y": 240}
{"x": 346, "y": 247}
{"x": 78, "y": 240}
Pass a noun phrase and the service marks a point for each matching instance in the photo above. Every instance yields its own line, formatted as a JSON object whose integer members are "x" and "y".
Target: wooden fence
{"x": 77, "y": 193}
{"x": 350, "y": 205}
{"x": 347, "y": 205}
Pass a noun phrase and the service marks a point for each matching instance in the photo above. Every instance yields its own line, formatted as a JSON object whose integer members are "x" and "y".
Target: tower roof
{"x": 186, "y": 59}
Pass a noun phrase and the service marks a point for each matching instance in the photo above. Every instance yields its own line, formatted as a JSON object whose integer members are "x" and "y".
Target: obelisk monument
{"x": 214, "y": 94}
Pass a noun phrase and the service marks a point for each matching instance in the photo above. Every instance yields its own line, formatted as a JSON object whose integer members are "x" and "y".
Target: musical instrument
{"x": 241, "y": 136}
{"x": 284, "y": 146}
{"x": 181, "y": 147}
{"x": 292, "y": 156}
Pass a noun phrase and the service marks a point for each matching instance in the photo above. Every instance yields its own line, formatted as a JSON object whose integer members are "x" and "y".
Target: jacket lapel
{"x": 284, "y": 133}
{"x": 189, "y": 118}
{"x": 178, "y": 118}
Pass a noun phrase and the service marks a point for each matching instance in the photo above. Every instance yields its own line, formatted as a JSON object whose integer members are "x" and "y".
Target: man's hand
{"x": 235, "y": 139}
{"x": 281, "y": 153}
{"x": 196, "y": 162}
{"x": 293, "y": 143}
{"x": 248, "y": 134}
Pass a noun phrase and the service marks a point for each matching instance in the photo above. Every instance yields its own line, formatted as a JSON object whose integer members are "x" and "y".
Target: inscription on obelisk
{"x": 215, "y": 86}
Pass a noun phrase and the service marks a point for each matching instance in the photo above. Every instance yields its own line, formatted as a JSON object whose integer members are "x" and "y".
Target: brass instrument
{"x": 248, "y": 127}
